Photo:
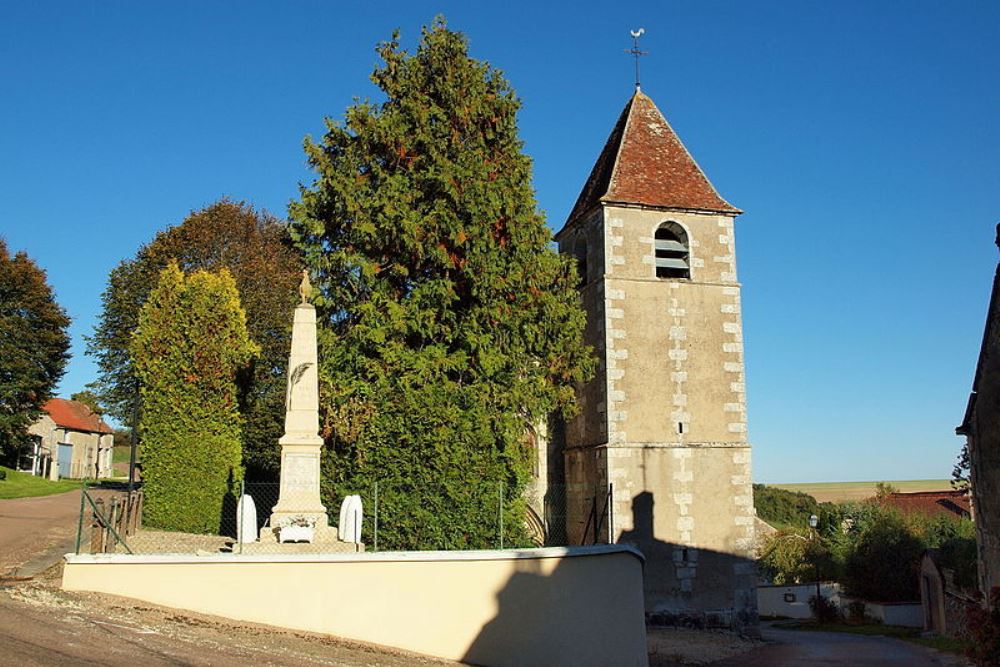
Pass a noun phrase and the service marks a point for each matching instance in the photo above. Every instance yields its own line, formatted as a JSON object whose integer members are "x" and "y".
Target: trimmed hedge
{"x": 190, "y": 345}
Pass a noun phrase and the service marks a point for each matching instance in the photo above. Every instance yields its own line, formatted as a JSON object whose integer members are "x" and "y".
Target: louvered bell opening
{"x": 675, "y": 246}
{"x": 672, "y": 263}
{"x": 671, "y": 252}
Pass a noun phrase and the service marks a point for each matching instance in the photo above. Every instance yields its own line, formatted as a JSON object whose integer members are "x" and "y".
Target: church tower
{"x": 664, "y": 422}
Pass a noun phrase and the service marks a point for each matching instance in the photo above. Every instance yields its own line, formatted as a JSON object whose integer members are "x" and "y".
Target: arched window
{"x": 580, "y": 253}
{"x": 671, "y": 251}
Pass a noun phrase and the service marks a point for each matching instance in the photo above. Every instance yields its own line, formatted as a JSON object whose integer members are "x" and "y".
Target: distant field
{"x": 826, "y": 492}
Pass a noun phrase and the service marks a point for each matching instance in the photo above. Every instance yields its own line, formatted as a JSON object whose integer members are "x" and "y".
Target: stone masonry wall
{"x": 675, "y": 446}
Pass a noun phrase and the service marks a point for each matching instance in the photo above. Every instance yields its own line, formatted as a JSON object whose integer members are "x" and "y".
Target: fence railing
{"x": 258, "y": 518}
{"x": 110, "y": 522}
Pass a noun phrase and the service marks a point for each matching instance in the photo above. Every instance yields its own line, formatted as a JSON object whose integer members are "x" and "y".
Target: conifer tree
{"x": 34, "y": 346}
{"x": 190, "y": 344}
{"x": 452, "y": 328}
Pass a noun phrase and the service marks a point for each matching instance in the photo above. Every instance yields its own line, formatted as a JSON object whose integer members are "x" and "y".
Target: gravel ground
{"x": 681, "y": 646}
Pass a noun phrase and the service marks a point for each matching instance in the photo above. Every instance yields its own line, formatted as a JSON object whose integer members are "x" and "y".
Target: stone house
{"x": 663, "y": 424}
{"x": 981, "y": 428}
{"x": 69, "y": 440}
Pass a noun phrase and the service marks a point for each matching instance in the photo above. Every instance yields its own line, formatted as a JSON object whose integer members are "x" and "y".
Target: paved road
{"x": 31, "y": 526}
{"x": 802, "y": 648}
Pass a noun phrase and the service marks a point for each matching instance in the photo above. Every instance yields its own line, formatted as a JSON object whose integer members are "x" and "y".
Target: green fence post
{"x": 79, "y": 523}
{"x": 241, "y": 504}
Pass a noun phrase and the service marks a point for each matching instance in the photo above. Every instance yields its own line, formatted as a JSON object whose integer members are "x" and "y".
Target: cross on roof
{"x": 634, "y": 51}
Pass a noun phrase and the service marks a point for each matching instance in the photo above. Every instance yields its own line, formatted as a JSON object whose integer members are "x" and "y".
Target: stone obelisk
{"x": 301, "y": 443}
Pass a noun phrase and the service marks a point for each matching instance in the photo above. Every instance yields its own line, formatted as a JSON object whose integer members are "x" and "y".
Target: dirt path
{"x": 40, "y": 624}
{"x": 43, "y": 625}
{"x": 31, "y": 526}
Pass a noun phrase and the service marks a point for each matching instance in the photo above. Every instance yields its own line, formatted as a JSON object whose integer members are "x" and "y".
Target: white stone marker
{"x": 351, "y": 518}
{"x": 246, "y": 520}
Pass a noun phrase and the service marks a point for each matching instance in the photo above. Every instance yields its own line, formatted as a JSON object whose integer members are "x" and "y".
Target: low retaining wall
{"x": 554, "y": 606}
{"x": 907, "y": 614}
{"x": 793, "y": 601}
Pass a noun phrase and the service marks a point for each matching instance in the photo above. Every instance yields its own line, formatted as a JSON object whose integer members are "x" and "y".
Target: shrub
{"x": 824, "y": 610}
{"x": 984, "y": 632}
{"x": 857, "y": 612}
{"x": 784, "y": 509}
{"x": 191, "y": 342}
{"x": 3, "y": 474}
{"x": 884, "y": 561}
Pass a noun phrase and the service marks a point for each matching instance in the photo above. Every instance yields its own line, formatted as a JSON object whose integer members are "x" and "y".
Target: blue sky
{"x": 860, "y": 137}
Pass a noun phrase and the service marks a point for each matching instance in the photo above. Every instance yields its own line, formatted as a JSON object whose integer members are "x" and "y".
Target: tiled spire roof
{"x": 645, "y": 163}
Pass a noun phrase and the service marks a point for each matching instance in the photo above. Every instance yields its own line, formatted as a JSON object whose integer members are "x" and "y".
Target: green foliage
{"x": 960, "y": 480}
{"x": 785, "y": 510}
{"x": 89, "y": 399}
{"x": 824, "y": 610}
{"x": 190, "y": 344}
{"x": 983, "y": 628}
{"x": 3, "y": 474}
{"x": 884, "y": 490}
{"x": 450, "y": 327}
{"x": 34, "y": 347}
{"x": 884, "y": 561}
{"x": 791, "y": 558}
{"x": 255, "y": 248}
{"x": 872, "y": 549}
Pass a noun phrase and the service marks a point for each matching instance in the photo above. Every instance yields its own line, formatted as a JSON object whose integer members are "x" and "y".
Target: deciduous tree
{"x": 34, "y": 346}
{"x": 191, "y": 343}
{"x": 255, "y": 248}
{"x": 452, "y": 327}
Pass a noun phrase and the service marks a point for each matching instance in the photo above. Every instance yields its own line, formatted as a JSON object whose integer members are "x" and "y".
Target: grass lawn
{"x": 908, "y": 634}
{"x": 121, "y": 454}
{"x": 844, "y": 491}
{"x": 23, "y": 485}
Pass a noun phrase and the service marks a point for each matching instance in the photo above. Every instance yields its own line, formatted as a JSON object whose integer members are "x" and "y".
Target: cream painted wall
{"x": 558, "y": 606}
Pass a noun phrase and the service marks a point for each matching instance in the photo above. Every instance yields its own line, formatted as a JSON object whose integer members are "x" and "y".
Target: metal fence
{"x": 260, "y": 519}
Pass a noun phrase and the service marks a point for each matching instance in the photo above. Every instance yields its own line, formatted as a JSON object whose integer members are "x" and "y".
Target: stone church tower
{"x": 664, "y": 420}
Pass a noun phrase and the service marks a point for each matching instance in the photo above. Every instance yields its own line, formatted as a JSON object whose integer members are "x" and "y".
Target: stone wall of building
{"x": 982, "y": 428}
{"x": 665, "y": 420}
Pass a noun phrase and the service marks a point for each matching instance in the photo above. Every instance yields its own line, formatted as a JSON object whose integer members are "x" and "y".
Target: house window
{"x": 672, "y": 257}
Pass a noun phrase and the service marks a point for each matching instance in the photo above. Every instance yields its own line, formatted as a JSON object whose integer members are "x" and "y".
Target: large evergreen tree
{"x": 452, "y": 328}
{"x": 34, "y": 346}
{"x": 255, "y": 248}
{"x": 189, "y": 347}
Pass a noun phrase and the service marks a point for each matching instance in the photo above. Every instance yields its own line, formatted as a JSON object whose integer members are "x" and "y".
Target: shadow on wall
{"x": 690, "y": 586}
{"x": 558, "y": 617}
{"x": 558, "y": 612}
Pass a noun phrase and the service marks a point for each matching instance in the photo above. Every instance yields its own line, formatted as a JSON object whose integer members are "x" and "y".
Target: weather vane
{"x": 634, "y": 51}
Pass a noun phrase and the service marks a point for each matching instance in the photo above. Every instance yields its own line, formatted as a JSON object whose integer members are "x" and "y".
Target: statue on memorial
{"x": 305, "y": 287}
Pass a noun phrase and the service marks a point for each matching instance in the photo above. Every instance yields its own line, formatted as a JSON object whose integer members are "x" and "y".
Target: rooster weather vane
{"x": 636, "y": 52}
